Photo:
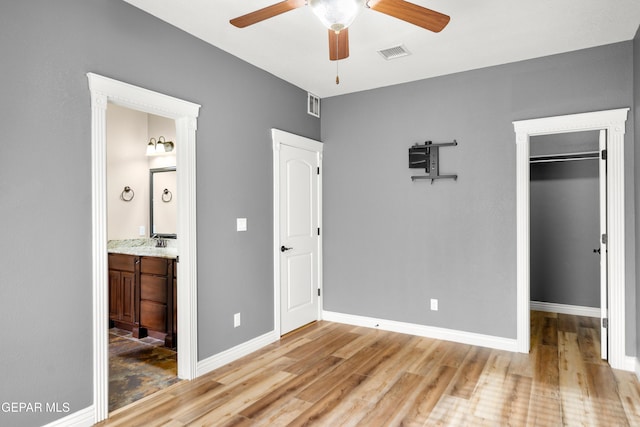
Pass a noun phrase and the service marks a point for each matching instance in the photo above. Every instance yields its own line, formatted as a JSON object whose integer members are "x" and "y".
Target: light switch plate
{"x": 236, "y": 320}
{"x": 241, "y": 224}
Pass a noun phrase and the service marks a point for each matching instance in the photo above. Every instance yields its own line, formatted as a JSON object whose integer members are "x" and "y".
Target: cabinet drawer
{"x": 153, "y": 288}
{"x": 122, "y": 262}
{"x": 154, "y": 265}
{"x": 153, "y": 316}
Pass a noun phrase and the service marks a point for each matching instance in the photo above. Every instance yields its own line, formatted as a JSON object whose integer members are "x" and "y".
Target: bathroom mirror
{"x": 163, "y": 202}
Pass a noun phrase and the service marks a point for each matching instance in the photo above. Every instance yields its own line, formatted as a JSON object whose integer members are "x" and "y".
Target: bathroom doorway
{"x": 105, "y": 91}
{"x": 142, "y": 247}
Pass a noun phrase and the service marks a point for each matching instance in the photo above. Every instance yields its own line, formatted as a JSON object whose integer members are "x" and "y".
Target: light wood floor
{"x": 330, "y": 374}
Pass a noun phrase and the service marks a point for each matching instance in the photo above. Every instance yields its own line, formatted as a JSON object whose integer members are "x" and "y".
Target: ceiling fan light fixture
{"x": 336, "y": 15}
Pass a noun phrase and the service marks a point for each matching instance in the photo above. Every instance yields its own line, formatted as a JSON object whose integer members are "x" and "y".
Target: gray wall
{"x": 636, "y": 120}
{"x": 565, "y": 228}
{"x": 392, "y": 244}
{"x": 45, "y": 182}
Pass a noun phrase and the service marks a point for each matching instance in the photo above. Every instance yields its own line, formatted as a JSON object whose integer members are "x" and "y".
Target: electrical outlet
{"x": 241, "y": 224}
{"x": 236, "y": 320}
{"x": 141, "y": 230}
{"x": 434, "y": 304}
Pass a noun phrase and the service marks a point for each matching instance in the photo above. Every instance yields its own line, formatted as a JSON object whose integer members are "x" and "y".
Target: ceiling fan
{"x": 337, "y": 15}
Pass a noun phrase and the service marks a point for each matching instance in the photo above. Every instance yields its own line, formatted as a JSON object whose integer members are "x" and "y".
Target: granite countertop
{"x": 143, "y": 247}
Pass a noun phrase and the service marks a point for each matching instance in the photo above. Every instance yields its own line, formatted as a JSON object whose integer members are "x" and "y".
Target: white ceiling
{"x": 294, "y": 45}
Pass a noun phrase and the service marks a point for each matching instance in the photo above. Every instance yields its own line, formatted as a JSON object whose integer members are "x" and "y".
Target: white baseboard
{"x": 82, "y": 418}
{"x": 575, "y": 310}
{"x": 471, "y": 338}
{"x": 234, "y": 353}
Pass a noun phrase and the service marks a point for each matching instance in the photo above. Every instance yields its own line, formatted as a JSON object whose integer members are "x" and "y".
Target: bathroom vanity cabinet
{"x": 142, "y": 296}
{"x": 157, "y": 298}
{"x": 124, "y": 271}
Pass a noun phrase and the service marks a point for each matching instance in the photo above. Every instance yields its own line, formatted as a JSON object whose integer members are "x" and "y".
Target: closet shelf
{"x": 585, "y": 155}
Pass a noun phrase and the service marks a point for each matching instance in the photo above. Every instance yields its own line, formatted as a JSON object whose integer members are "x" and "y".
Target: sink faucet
{"x": 160, "y": 243}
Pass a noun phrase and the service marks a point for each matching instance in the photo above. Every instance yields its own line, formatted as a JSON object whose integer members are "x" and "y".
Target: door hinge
{"x": 318, "y": 291}
{"x": 178, "y": 258}
{"x": 605, "y": 322}
{"x": 318, "y": 231}
{"x": 318, "y": 170}
{"x": 604, "y": 154}
{"x": 604, "y": 239}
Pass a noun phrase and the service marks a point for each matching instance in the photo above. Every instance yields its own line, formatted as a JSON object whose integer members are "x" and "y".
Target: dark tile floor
{"x": 137, "y": 368}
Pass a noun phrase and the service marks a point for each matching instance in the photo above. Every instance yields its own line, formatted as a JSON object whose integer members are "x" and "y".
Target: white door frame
{"x": 280, "y": 138}
{"x": 105, "y": 90}
{"x": 613, "y": 121}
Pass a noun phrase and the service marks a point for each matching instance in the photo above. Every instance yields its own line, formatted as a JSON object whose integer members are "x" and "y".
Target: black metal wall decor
{"x": 426, "y": 157}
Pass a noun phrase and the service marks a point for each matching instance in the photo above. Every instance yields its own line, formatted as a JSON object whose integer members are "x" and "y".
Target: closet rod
{"x": 586, "y": 155}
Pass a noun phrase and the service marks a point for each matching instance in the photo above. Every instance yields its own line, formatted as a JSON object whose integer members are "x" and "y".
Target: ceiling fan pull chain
{"x": 337, "y": 58}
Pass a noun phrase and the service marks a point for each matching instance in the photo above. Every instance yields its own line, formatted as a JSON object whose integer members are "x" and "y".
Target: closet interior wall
{"x": 564, "y": 209}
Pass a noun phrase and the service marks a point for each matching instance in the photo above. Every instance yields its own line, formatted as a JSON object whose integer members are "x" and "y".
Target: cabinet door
{"x": 128, "y": 296}
{"x": 114, "y": 295}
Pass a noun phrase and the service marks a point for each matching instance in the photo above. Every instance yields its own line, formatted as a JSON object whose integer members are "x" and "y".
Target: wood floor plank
{"x": 501, "y": 397}
{"x": 469, "y": 372}
{"x": 280, "y": 414}
{"x": 287, "y": 390}
{"x": 589, "y": 342}
{"x": 629, "y": 390}
{"x": 236, "y": 399}
{"x": 602, "y": 385}
{"x": 322, "y": 408}
{"x": 429, "y": 394}
{"x": 550, "y": 331}
{"x": 314, "y": 391}
{"x": 577, "y": 406}
{"x": 329, "y": 374}
{"x": 387, "y": 407}
{"x": 546, "y": 376}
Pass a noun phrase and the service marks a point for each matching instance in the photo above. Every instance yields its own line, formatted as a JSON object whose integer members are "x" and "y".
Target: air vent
{"x": 394, "y": 52}
{"x": 313, "y": 105}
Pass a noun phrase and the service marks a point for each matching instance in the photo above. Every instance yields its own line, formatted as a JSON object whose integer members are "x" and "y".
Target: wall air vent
{"x": 394, "y": 52}
{"x": 313, "y": 105}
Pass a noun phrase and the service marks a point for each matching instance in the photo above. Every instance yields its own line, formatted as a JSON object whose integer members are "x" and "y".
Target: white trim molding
{"x": 81, "y": 418}
{"x": 462, "y": 337}
{"x": 575, "y": 310}
{"x": 217, "y": 360}
{"x": 104, "y": 91}
{"x": 613, "y": 121}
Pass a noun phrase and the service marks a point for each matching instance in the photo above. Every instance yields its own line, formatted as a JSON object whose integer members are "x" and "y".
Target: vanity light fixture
{"x": 160, "y": 146}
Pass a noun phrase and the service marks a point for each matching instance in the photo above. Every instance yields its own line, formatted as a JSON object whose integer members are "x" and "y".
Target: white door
{"x": 604, "y": 291}
{"x": 298, "y": 243}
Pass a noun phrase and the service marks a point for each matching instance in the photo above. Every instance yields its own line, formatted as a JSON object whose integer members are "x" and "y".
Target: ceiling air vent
{"x": 394, "y": 52}
{"x": 313, "y": 105}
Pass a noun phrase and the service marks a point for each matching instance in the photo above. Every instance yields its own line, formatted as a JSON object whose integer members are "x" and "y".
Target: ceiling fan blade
{"x": 338, "y": 44}
{"x": 412, "y": 13}
{"x": 266, "y": 13}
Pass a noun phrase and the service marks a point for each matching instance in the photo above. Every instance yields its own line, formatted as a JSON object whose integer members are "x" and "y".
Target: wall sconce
{"x": 160, "y": 146}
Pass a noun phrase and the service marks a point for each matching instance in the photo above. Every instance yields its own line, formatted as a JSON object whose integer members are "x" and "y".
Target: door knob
{"x": 596, "y": 251}
{"x": 283, "y": 248}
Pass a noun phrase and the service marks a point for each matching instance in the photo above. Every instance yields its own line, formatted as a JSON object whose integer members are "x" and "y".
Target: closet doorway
{"x": 568, "y": 219}
{"x": 613, "y": 122}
